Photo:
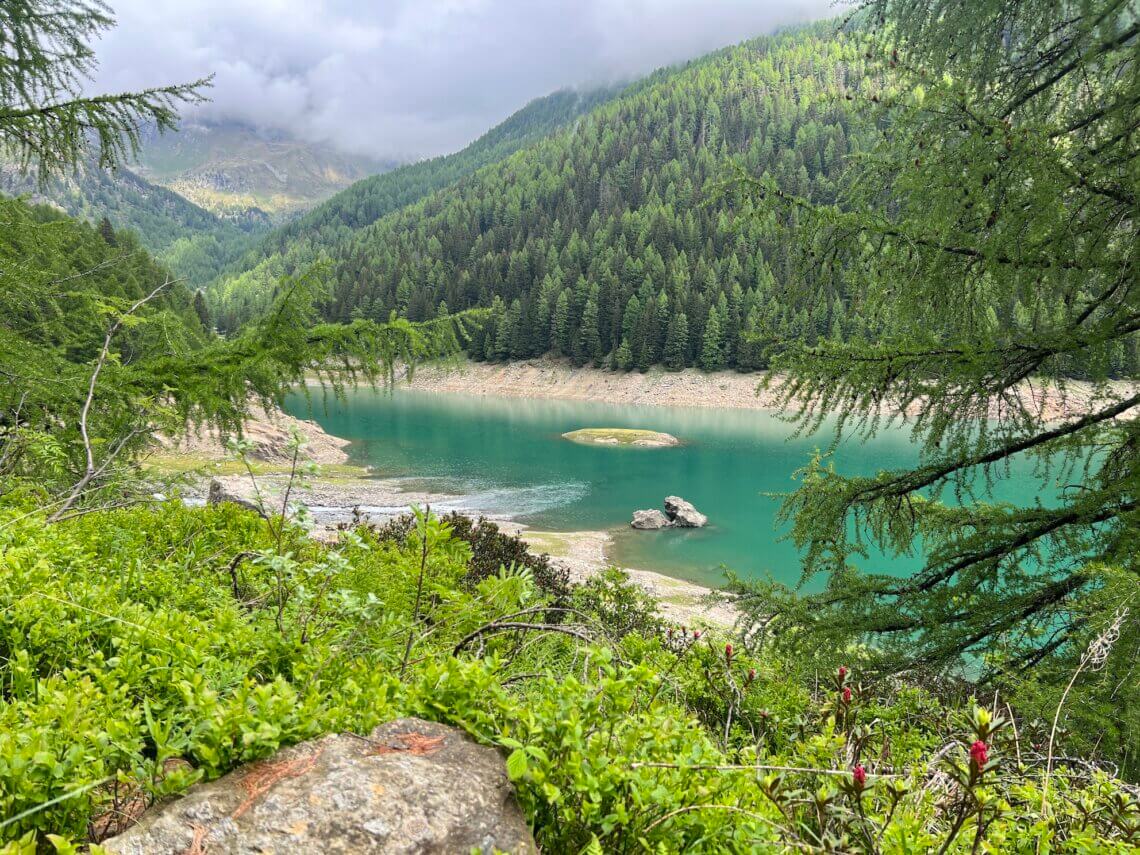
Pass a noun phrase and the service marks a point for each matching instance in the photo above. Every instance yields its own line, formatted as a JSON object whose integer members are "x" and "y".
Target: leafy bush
{"x": 491, "y": 549}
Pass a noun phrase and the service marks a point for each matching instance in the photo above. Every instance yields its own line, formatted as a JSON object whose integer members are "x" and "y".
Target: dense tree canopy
{"x": 307, "y": 239}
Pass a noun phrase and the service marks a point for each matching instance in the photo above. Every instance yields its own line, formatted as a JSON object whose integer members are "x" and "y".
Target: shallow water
{"x": 506, "y": 457}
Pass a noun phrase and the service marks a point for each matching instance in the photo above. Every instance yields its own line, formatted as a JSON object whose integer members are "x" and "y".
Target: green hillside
{"x": 609, "y": 241}
{"x": 303, "y": 240}
{"x": 190, "y": 240}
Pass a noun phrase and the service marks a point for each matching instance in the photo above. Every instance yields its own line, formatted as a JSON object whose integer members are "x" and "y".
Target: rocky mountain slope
{"x": 236, "y": 171}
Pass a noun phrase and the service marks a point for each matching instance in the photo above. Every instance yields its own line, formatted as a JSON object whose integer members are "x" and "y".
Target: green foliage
{"x": 309, "y": 238}
{"x": 491, "y": 551}
{"x": 192, "y": 242}
{"x": 133, "y": 639}
{"x": 990, "y": 233}
{"x": 101, "y": 350}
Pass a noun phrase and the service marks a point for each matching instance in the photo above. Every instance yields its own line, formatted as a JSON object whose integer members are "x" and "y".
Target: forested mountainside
{"x": 190, "y": 240}
{"x": 608, "y": 241}
{"x": 335, "y": 222}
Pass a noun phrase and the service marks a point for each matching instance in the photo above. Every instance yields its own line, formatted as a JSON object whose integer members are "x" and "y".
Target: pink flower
{"x": 859, "y": 776}
{"x": 979, "y": 754}
{"x": 751, "y": 674}
{"x": 846, "y": 694}
{"x": 728, "y": 652}
{"x": 696, "y": 634}
{"x": 842, "y": 673}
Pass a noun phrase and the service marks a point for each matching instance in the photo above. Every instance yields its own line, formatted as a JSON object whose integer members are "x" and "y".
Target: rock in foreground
{"x": 411, "y": 787}
{"x": 650, "y": 520}
{"x": 683, "y": 514}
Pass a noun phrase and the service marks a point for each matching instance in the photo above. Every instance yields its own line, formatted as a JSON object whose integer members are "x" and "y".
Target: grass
{"x": 620, "y": 436}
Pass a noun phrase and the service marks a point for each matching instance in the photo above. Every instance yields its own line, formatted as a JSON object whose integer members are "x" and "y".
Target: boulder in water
{"x": 650, "y": 520}
{"x": 682, "y": 514}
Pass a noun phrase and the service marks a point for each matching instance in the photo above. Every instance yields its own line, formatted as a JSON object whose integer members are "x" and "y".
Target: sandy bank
{"x": 548, "y": 378}
{"x": 269, "y": 432}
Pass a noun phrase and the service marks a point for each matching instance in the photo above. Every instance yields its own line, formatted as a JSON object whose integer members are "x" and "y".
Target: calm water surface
{"x": 506, "y": 456}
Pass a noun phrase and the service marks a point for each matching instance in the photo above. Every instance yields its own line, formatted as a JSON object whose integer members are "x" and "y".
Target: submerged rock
{"x": 411, "y": 787}
{"x": 683, "y": 514}
{"x": 650, "y": 520}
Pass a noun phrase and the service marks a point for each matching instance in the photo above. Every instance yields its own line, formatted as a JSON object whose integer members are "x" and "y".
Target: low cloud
{"x": 411, "y": 78}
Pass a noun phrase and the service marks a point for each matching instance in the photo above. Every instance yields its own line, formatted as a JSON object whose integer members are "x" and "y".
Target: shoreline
{"x": 344, "y": 492}
{"x": 547, "y": 378}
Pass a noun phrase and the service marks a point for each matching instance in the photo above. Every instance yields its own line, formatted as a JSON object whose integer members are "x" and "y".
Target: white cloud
{"x": 411, "y": 78}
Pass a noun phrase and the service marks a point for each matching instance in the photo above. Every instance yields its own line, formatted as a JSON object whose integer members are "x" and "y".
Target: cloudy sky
{"x": 412, "y": 78}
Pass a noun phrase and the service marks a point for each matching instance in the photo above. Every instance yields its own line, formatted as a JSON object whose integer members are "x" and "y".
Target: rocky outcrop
{"x": 683, "y": 514}
{"x": 650, "y": 520}
{"x": 411, "y": 786}
{"x": 218, "y": 495}
{"x": 678, "y": 514}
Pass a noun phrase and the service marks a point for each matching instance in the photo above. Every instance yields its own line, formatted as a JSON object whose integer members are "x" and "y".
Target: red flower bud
{"x": 751, "y": 674}
{"x": 728, "y": 652}
{"x": 696, "y": 634}
{"x": 846, "y": 694}
{"x": 859, "y": 776}
{"x": 979, "y": 754}
{"x": 842, "y": 673}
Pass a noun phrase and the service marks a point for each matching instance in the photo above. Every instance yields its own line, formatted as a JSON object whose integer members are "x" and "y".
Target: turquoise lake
{"x": 507, "y": 457}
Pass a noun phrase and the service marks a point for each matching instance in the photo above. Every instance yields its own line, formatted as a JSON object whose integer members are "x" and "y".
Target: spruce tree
{"x": 677, "y": 342}
{"x": 46, "y": 122}
{"x": 712, "y": 353}
{"x": 589, "y": 346}
{"x": 623, "y": 356}
{"x": 202, "y": 310}
{"x": 560, "y": 324}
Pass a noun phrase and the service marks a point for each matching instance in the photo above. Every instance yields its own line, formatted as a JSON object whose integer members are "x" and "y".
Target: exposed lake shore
{"x": 558, "y": 379}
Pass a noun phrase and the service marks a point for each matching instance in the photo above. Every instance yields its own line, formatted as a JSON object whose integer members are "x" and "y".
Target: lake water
{"x": 507, "y": 456}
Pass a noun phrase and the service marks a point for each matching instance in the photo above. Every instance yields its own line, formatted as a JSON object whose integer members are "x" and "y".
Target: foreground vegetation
{"x": 145, "y": 645}
{"x": 211, "y": 637}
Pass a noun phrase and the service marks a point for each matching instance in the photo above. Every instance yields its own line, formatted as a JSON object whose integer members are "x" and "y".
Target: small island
{"x": 622, "y": 436}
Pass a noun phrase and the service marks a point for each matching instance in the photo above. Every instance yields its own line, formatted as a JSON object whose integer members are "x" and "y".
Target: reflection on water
{"x": 506, "y": 457}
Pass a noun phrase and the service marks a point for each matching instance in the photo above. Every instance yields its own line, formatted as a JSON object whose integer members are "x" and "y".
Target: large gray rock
{"x": 411, "y": 787}
{"x": 650, "y": 520}
{"x": 683, "y": 514}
